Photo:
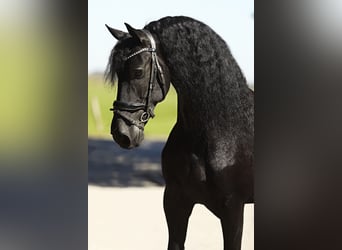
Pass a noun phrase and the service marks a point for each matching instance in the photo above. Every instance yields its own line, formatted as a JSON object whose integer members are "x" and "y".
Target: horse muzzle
{"x": 126, "y": 135}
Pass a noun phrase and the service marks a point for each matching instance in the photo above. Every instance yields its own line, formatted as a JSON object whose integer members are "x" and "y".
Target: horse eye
{"x": 139, "y": 73}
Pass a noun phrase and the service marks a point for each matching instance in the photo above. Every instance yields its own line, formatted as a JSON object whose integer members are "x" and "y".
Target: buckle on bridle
{"x": 144, "y": 117}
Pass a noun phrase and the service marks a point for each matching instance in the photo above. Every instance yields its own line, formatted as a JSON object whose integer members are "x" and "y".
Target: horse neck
{"x": 210, "y": 86}
{"x": 187, "y": 44}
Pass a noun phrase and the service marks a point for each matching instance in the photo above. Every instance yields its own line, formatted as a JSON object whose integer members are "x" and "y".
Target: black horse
{"x": 208, "y": 157}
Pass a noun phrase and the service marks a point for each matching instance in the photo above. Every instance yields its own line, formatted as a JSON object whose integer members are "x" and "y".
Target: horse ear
{"x": 138, "y": 34}
{"x": 118, "y": 34}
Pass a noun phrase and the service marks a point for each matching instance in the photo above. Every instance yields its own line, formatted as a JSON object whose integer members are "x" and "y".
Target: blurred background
{"x": 43, "y": 125}
{"x": 44, "y": 143}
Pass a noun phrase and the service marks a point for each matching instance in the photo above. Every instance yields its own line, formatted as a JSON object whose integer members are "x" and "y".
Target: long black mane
{"x": 205, "y": 75}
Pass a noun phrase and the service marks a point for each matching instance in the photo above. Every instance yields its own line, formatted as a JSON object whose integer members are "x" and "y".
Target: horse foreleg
{"x": 177, "y": 211}
{"x": 232, "y": 224}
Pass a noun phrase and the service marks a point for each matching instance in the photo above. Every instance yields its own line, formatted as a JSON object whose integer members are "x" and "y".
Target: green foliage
{"x": 160, "y": 126}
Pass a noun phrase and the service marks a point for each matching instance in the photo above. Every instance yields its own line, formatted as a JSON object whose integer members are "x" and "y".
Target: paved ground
{"x": 111, "y": 166}
{"x": 125, "y": 203}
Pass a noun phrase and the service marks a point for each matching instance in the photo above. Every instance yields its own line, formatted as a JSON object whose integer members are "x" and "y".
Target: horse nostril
{"x": 122, "y": 139}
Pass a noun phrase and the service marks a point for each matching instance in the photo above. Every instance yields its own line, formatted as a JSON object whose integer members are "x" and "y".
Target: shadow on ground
{"x": 109, "y": 165}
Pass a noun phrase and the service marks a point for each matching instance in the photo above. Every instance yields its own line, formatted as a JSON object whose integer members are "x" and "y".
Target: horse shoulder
{"x": 231, "y": 170}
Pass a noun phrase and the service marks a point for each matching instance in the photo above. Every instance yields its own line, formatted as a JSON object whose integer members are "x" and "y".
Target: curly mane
{"x": 117, "y": 58}
{"x": 204, "y": 70}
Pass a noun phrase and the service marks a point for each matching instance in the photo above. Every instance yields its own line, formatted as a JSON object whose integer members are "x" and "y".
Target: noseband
{"x": 119, "y": 106}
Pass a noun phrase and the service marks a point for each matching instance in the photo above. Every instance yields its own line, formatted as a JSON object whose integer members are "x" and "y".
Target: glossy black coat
{"x": 208, "y": 157}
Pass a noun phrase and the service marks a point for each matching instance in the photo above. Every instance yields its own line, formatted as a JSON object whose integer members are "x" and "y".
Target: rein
{"x": 120, "y": 106}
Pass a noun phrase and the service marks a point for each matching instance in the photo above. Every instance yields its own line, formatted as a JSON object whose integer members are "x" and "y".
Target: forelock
{"x": 117, "y": 58}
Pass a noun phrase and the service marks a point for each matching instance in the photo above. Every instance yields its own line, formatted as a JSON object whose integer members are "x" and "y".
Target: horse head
{"x": 143, "y": 81}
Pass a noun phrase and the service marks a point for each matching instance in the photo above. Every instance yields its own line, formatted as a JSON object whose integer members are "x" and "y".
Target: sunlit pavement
{"x": 132, "y": 218}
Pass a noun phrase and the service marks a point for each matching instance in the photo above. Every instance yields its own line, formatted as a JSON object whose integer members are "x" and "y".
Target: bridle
{"x": 120, "y": 106}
